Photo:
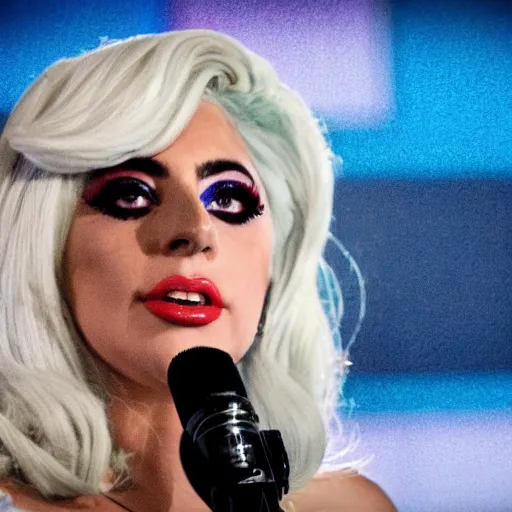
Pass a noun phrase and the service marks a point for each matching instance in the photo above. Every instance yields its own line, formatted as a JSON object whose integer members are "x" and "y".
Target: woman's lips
{"x": 182, "y": 314}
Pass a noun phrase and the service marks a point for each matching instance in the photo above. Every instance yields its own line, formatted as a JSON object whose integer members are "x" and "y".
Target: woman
{"x": 151, "y": 192}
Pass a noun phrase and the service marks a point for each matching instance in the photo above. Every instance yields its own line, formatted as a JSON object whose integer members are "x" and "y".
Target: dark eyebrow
{"x": 212, "y": 167}
{"x": 209, "y": 168}
{"x": 146, "y": 165}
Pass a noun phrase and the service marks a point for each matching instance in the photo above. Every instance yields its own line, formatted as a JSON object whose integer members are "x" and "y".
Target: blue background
{"x": 453, "y": 92}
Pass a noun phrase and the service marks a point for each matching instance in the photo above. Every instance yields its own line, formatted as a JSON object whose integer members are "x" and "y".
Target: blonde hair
{"x": 127, "y": 99}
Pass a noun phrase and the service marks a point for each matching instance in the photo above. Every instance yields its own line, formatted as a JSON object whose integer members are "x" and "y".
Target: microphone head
{"x": 198, "y": 372}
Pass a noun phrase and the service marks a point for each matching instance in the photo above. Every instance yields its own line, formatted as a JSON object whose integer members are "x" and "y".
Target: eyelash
{"x": 122, "y": 188}
{"x": 107, "y": 199}
{"x": 231, "y": 190}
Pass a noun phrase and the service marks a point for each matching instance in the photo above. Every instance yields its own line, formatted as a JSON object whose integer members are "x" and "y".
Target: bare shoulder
{"x": 25, "y": 498}
{"x": 20, "y": 496}
{"x": 355, "y": 492}
{"x": 339, "y": 491}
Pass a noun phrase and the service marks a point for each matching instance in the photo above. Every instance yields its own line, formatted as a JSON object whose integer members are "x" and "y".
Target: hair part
{"x": 128, "y": 99}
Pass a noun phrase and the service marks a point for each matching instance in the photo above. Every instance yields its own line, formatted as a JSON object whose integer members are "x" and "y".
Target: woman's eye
{"x": 124, "y": 198}
{"x": 226, "y": 204}
{"x": 232, "y": 201}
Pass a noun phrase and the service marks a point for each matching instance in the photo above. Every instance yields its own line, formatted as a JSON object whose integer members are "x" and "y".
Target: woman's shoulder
{"x": 6, "y": 503}
{"x": 339, "y": 491}
{"x": 15, "y": 497}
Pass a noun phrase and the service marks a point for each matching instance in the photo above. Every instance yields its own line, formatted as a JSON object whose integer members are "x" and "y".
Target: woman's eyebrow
{"x": 157, "y": 169}
{"x": 212, "y": 167}
{"x": 146, "y": 165}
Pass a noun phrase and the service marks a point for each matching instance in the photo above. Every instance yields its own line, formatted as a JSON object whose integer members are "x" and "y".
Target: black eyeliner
{"x": 234, "y": 190}
{"x": 116, "y": 189}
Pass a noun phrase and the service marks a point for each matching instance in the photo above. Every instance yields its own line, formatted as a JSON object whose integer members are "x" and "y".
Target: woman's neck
{"x": 147, "y": 425}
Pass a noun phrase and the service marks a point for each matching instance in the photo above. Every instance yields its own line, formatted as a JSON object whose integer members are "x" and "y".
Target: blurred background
{"x": 417, "y": 98}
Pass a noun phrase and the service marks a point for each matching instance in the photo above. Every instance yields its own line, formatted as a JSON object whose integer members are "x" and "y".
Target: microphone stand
{"x": 231, "y": 464}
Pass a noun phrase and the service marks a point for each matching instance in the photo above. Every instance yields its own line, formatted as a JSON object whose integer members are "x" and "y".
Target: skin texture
{"x": 340, "y": 491}
{"x": 111, "y": 263}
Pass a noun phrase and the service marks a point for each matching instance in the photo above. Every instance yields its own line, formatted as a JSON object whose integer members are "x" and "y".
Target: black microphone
{"x": 230, "y": 463}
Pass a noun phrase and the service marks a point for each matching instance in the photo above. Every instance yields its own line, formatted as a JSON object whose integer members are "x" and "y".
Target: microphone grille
{"x": 198, "y": 372}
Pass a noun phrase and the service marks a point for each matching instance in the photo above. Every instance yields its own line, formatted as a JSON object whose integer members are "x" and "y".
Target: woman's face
{"x": 171, "y": 252}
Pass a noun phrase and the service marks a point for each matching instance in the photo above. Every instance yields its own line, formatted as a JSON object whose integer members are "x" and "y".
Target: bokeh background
{"x": 417, "y": 97}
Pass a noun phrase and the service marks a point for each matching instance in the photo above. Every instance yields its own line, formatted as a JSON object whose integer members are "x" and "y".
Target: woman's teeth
{"x": 186, "y": 298}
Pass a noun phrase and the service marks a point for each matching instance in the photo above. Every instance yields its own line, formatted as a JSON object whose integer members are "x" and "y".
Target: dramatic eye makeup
{"x": 232, "y": 201}
{"x": 129, "y": 192}
{"x": 121, "y": 195}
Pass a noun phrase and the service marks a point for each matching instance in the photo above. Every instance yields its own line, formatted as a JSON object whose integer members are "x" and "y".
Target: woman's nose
{"x": 183, "y": 227}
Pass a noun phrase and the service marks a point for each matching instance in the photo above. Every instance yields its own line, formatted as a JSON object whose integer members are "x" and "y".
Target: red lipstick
{"x": 161, "y": 305}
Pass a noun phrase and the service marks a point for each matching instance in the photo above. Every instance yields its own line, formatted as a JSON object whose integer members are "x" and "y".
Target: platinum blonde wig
{"x": 127, "y": 99}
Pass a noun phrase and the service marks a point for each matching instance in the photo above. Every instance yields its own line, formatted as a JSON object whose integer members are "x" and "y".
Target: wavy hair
{"x": 127, "y": 99}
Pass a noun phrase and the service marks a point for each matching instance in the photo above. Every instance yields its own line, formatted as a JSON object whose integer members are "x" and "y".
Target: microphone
{"x": 230, "y": 463}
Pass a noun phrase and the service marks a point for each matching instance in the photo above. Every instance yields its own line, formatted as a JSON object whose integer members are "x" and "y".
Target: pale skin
{"x": 110, "y": 263}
